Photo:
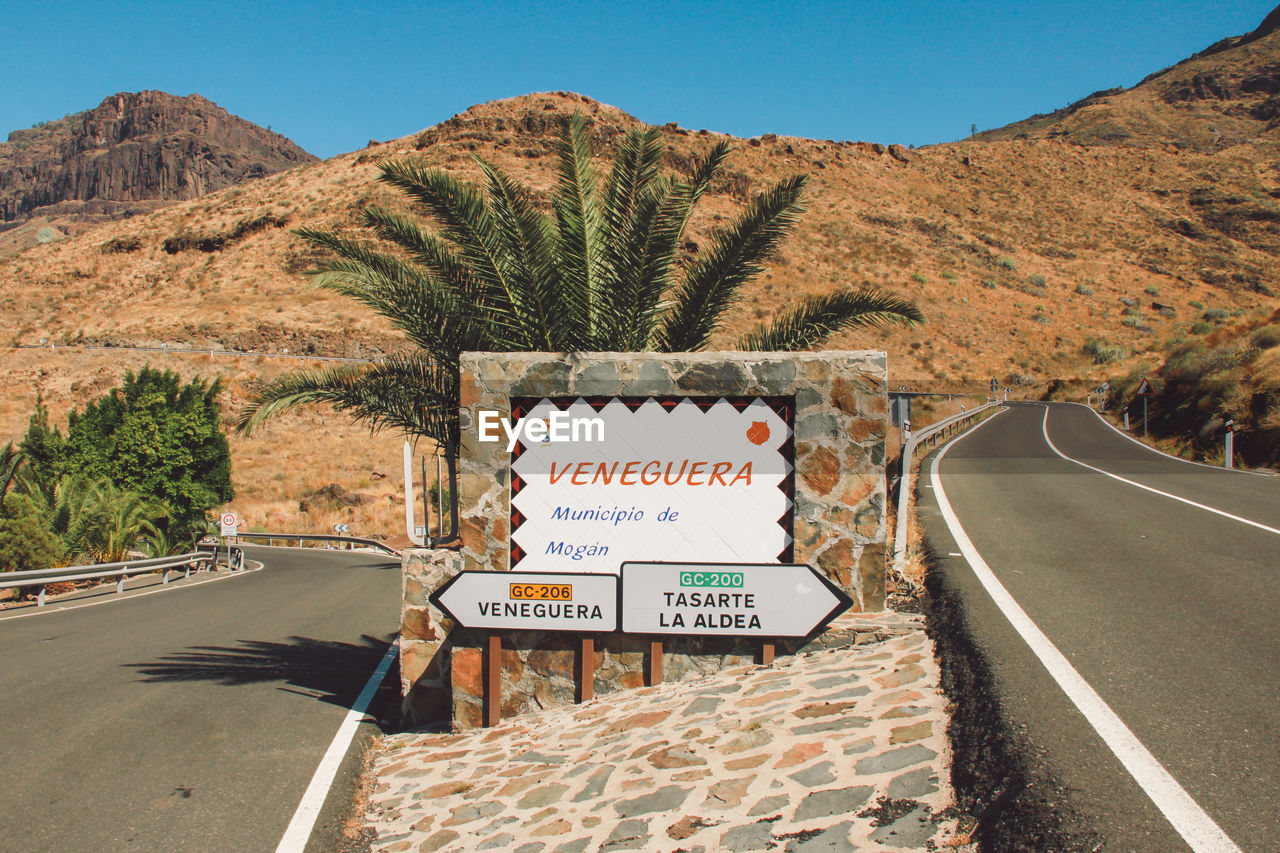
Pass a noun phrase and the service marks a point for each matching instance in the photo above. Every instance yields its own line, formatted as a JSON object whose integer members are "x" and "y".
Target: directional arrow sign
{"x": 756, "y": 600}
{"x": 531, "y": 601}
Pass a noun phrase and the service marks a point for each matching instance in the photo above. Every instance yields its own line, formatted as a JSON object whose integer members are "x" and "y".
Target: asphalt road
{"x": 1167, "y": 610}
{"x": 191, "y": 718}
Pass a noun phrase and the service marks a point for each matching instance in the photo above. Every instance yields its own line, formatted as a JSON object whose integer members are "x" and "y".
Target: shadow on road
{"x": 327, "y": 670}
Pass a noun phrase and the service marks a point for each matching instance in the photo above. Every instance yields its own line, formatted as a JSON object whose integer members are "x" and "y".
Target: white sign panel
{"x": 538, "y": 601}
{"x": 227, "y": 524}
{"x": 692, "y": 599}
{"x": 671, "y": 480}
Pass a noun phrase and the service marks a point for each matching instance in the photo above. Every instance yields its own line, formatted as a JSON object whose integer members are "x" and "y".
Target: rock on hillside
{"x": 128, "y": 155}
{"x": 1226, "y": 95}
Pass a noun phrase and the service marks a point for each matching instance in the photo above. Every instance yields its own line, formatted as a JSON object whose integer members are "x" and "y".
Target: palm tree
{"x": 103, "y": 523}
{"x": 599, "y": 272}
{"x": 11, "y": 464}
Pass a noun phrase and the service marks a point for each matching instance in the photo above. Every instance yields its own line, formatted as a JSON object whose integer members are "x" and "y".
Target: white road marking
{"x": 1044, "y": 427}
{"x": 1146, "y": 446}
{"x": 125, "y": 596}
{"x": 304, "y": 819}
{"x": 1185, "y": 814}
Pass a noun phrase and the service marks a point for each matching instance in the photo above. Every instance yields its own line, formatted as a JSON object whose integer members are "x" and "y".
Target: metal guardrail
{"x": 320, "y": 537}
{"x": 197, "y": 351}
{"x": 41, "y": 577}
{"x": 926, "y": 437}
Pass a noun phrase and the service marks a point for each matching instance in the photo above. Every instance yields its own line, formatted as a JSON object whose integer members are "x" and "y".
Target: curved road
{"x": 1156, "y": 581}
{"x": 192, "y": 718}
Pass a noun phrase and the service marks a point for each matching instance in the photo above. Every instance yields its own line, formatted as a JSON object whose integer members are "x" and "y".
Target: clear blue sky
{"x": 333, "y": 75}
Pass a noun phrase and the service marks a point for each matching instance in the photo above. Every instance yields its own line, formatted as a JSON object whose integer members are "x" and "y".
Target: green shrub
{"x": 156, "y": 437}
{"x": 1196, "y": 304}
{"x": 918, "y": 278}
{"x": 1037, "y": 280}
{"x": 950, "y": 276}
{"x": 1007, "y": 263}
{"x": 1267, "y": 337}
{"x": 1152, "y": 290}
{"x": 990, "y": 283}
{"x": 1084, "y": 290}
{"x": 1130, "y": 312}
{"x": 1216, "y": 314}
{"x": 1132, "y": 322}
{"x": 1103, "y": 353}
{"x": 1201, "y": 327}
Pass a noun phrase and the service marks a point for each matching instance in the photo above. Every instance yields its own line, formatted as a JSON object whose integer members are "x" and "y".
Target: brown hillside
{"x": 1020, "y": 251}
{"x": 131, "y": 154}
{"x": 1225, "y": 96}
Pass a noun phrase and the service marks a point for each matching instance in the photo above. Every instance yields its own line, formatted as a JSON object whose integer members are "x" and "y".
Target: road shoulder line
{"x": 1044, "y": 428}
{"x": 298, "y": 833}
{"x": 1146, "y": 446}
{"x": 1183, "y": 813}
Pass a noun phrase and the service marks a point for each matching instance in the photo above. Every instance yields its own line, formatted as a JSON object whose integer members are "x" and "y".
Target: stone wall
{"x": 841, "y": 424}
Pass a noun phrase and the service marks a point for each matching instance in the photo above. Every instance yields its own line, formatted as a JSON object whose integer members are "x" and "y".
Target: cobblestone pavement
{"x": 837, "y": 749}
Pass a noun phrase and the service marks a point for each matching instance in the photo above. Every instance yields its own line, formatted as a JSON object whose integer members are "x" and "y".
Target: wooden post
{"x": 655, "y": 662}
{"x": 493, "y": 680}
{"x": 587, "y": 670}
{"x": 766, "y": 654}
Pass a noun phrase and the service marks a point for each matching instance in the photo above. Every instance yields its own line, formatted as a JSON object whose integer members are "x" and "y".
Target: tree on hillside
{"x": 26, "y": 542}
{"x": 40, "y": 448}
{"x": 160, "y": 439}
{"x": 11, "y": 462}
{"x": 601, "y": 271}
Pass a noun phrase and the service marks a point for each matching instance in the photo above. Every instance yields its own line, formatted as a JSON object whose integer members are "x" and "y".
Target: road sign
{"x": 1144, "y": 390}
{"x": 538, "y": 601}
{"x": 227, "y": 524}
{"x": 726, "y": 599}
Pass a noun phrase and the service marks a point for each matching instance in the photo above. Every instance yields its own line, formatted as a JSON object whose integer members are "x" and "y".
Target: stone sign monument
{"x": 577, "y": 463}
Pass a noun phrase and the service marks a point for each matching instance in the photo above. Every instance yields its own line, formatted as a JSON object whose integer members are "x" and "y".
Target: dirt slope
{"x": 1021, "y": 251}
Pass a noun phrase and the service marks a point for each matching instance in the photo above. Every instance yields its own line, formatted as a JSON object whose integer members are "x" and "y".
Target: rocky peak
{"x": 132, "y": 152}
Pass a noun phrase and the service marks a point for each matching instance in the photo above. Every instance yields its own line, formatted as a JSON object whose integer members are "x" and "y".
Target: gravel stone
{"x": 662, "y": 800}
{"x": 834, "y": 802}
{"x": 894, "y": 759}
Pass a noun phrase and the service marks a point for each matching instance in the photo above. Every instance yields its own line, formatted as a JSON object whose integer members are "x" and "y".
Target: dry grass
{"x": 1062, "y": 215}
{"x": 931, "y": 225}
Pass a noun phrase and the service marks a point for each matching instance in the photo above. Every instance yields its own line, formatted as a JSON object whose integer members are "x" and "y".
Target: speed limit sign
{"x": 228, "y": 524}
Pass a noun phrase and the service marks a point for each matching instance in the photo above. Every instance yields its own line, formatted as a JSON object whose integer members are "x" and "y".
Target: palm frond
{"x": 817, "y": 318}
{"x": 11, "y": 463}
{"x": 433, "y": 315}
{"x": 426, "y": 249}
{"x": 579, "y": 245}
{"x": 529, "y": 245}
{"x": 408, "y": 392}
{"x": 464, "y": 219}
{"x": 712, "y": 282}
{"x": 632, "y": 193}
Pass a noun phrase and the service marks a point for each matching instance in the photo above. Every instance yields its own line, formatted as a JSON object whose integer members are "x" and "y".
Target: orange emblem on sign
{"x": 758, "y": 432}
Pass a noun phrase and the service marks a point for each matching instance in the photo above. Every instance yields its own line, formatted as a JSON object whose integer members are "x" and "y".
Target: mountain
{"x": 129, "y": 155}
{"x": 1224, "y": 96}
{"x": 1036, "y": 257}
